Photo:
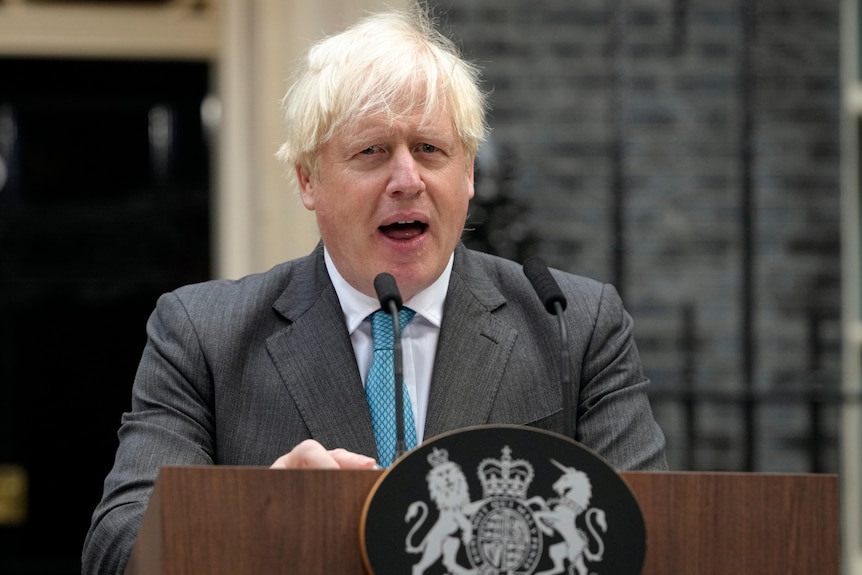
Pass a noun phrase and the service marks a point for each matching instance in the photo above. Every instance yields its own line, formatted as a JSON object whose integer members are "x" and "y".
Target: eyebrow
{"x": 375, "y": 130}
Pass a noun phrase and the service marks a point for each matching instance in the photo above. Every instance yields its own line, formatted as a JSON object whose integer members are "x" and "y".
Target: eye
{"x": 371, "y": 150}
{"x": 427, "y": 148}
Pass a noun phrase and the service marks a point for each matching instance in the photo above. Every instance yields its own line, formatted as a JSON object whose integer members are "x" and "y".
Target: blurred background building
{"x": 701, "y": 155}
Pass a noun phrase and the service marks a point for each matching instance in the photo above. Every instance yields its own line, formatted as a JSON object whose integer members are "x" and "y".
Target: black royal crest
{"x": 502, "y": 500}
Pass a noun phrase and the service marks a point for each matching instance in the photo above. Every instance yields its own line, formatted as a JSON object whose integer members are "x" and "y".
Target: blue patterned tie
{"x": 380, "y": 387}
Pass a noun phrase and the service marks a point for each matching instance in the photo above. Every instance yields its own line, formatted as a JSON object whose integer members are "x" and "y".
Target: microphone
{"x": 545, "y": 285}
{"x": 387, "y": 293}
{"x": 390, "y": 302}
{"x": 552, "y": 298}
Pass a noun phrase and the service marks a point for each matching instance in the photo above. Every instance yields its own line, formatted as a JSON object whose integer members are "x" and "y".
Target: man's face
{"x": 391, "y": 197}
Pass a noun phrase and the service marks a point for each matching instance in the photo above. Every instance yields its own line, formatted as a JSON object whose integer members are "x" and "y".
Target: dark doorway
{"x": 104, "y": 204}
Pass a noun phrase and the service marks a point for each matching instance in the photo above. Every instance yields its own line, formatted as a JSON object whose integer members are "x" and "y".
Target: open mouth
{"x": 404, "y": 230}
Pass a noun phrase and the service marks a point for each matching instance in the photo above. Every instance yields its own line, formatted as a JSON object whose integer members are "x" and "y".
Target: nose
{"x": 406, "y": 177}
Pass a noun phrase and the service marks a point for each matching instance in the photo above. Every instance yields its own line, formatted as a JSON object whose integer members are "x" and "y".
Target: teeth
{"x": 405, "y": 222}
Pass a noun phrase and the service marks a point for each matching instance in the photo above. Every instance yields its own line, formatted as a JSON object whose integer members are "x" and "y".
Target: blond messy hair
{"x": 387, "y": 63}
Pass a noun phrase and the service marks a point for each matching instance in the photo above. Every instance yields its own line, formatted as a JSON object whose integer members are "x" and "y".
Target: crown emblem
{"x": 438, "y": 457}
{"x": 505, "y": 477}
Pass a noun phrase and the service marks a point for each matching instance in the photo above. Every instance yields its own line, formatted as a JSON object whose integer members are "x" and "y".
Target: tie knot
{"x": 381, "y": 327}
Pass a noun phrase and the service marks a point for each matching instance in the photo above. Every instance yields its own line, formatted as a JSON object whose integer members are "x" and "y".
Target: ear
{"x": 306, "y": 187}
{"x": 471, "y": 181}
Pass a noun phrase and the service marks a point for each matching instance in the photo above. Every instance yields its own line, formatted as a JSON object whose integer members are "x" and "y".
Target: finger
{"x": 350, "y": 460}
{"x": 309, "y": 454}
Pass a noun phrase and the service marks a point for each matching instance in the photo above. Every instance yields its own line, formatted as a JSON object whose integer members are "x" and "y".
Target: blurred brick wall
{"x": 643, "y": 104}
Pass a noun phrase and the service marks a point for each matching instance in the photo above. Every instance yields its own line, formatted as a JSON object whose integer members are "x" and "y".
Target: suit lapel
{"x": 315, "y": 359}
{"x": 472, "y": 353}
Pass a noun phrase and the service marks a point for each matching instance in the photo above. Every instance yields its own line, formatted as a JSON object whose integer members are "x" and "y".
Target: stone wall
{"x": 688, "y": 152}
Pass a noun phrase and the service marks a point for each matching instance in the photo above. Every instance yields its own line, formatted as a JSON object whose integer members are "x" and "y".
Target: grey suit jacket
{"x": 239, "y": 372}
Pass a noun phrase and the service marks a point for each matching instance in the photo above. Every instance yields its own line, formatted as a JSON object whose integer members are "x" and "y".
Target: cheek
{"x": 463, "y": 184}
{"x": 342, "y": 215}
{"x": 327, "y": 214}
{"x": 461, "y": 203}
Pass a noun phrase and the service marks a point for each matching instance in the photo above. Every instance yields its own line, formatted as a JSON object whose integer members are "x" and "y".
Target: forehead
{"x": 416, "y": 122}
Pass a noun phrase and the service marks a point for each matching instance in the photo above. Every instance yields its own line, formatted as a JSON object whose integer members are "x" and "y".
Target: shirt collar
{"x": 356, "y": 306}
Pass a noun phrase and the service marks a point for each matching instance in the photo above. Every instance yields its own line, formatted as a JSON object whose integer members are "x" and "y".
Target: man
{"x": 383, "y": 123}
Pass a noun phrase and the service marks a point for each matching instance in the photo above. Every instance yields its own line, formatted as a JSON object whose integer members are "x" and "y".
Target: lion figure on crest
{"x": 448, "y": 489}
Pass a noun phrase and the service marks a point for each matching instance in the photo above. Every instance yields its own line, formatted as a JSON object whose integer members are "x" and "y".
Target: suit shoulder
{"x": 260, "y": 283}
{"x": 245, "y": 297}
{"x": 508, "y": 273}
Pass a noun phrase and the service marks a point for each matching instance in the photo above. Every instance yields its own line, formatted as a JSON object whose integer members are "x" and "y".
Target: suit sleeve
{"x": 170, "y": 423}
{"x": 614, "y": 416}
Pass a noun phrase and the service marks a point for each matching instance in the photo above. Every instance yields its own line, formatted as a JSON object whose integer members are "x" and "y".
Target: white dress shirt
{"x": 418, "y": 338}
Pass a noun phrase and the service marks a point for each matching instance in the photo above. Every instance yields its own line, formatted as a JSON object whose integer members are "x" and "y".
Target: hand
{"x": 310, "y": 454}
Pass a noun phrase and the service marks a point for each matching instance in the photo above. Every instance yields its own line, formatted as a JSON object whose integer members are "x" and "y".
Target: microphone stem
{"x": 565, "y": 375}
{"x": 400, "y": 447}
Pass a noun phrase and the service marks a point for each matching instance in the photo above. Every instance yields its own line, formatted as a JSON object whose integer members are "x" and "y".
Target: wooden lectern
{"x": 252, "y": 521}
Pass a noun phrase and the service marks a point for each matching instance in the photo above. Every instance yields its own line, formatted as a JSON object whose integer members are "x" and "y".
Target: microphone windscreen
{"x": 387, "y": 291}
{"x": 546, "y": 286}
